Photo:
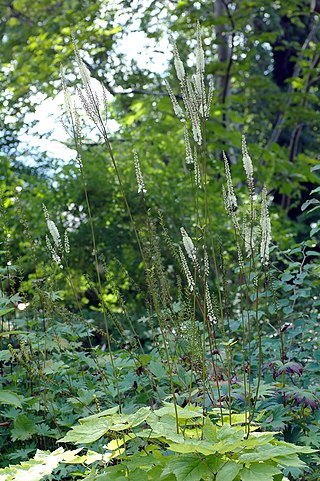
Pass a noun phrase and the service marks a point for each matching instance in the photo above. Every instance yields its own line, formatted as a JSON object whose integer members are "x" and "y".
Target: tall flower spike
{"x": 210, "y": 311}
{"x": 67, "y": 97}
{"x": 176, "y": 107}
{"x": 248, "y": 234}
{"x": 210, "y": 96}
{"x": 66, "y": 243}
{"x": 52, "y": 228}
{"x": 84, "y": 72}
{"x": 200, "y": 53}
{"x": 189, "y": 158}
{"x": 178, "y": 64}
{"x": 247, "y": 164}
{"x": 140, "y": 182}
{"x": 229, "y": 195}
{"x": 265, "y": 225}
{"x": 186, "y": 270}
{"x": 55, "y": 256}
{"x": 206, "y": 263}
{"x": 197, "y": 175}
{"x": 188, "y": 244}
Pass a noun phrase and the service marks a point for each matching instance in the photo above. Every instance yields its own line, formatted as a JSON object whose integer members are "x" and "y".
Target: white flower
{"x": 188, "y": 244}
{"x": 66, "y": 243}
{"x": 210, "y": 311}
{"x": 176, "y": 107}
{"x": 178, "y": 64}
{"x": 186, "y": 270}
{"x": 247, "y": 163}
{"x": 265, "y": 225}
{"x": 199, "y": 51}
{"x": 230, "y": 199}
{"x": 52, "y": 228}
{"x": 140, "y": 182}
{"x": 189, "y": 159}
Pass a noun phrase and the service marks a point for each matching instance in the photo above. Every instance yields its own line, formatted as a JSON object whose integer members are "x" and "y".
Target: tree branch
{"x": 114, "y": 93}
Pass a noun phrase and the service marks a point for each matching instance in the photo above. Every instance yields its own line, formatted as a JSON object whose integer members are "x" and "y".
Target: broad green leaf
{"x": 87, "y": 432}
{"x": 107, "y": 412}
{"x": 23, "y": 428}
{"x": 258, "y": 439}
{"x": 188, "y": 412}
{"x": 192, "y": 446}
{"x": 3, "y": 312}
{"x": 37, "y": 468}
{"x": 137, "y": 475}
{"x": 291, "y": 461}
{"x": 236, "y": 418}
{"x": 122, "y": 422}
{"x": 259, "y": 472}
{"x": 10, "y": 333}
{"x": 156, "y": 473}
{"x": 228, "y": 472}
{"x": 209, "y": 431}
{"x": 191, "y": 468}
{"x": 8, "y": 397}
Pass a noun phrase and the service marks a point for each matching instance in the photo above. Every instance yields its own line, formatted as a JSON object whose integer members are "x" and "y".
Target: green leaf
{"x": 188, "y": 412}
{"x": 191, "y": 468}
{"x": 265, "y": 452}
{"x": 35, "y": 469}
{"x": 8, "y": 397}
{"x": 309, "y": 202}
{"x": 192, "y": 446}
{"x": 228, "y": 472}
{"x": 10, "y": 333}
{"x": 3, "y": 312}
{"x": 23, "y": 428}
{"x": 107, "y": 412}
{"x": 137, "y": 475}
{"x": 87, "y": 432}
{"x": 209, "y": 431}
{"x": 291, "y": 461}
{"x": 261, "y": 472}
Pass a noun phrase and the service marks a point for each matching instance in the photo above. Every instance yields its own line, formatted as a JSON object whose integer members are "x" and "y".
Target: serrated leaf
{"x": 291, "y": 461}
{"x": 270, "y": 451}
{"x": 191, "y": 467}
{"x": 188, "y": 412}
{"x": 192, "y": 446}
{"x": 8, "y": 397}
{"x": 35, "y": 469}
{"x": 23, "y": 428}
{"x": 209, "y": 431}
{"x": 87, "y": 432}
{"x": 261, "y": 472}
{"x": 106, "y": 412}
{"x": 228, "y": 472}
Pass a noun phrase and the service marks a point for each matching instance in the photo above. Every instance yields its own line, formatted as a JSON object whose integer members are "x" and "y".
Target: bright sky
{"x": 135, "y": 45}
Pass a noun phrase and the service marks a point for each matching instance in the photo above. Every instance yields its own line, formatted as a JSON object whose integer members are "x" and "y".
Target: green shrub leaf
{"x": 261, "y": 472}
{"x": 228, "y": 472}
{"x": 8, "y": 397}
